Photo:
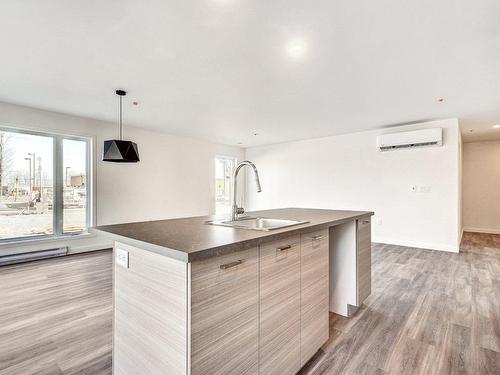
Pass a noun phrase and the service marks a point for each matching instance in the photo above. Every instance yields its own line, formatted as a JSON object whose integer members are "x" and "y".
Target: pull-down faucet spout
{"x": 237, "y": 211}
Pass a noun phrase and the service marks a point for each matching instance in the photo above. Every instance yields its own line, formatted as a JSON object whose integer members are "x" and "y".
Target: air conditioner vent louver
{"x": 388, "y": 148}
{"x": 411, "y": 139}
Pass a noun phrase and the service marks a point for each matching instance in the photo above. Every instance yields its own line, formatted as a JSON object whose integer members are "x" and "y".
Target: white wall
{"x": 481, "y": 187}
{"x": 174, "y": 178}
{"x": 348, "y": 172}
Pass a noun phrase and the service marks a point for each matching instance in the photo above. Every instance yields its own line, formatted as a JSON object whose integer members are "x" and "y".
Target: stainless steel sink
{"x": 256, "y": 223}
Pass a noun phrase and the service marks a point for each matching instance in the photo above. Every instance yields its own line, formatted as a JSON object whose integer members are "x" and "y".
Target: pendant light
{"x": 120, "y": 151}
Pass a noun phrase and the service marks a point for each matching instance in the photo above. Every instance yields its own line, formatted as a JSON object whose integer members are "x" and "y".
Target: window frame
{"x": 58, "y": 185}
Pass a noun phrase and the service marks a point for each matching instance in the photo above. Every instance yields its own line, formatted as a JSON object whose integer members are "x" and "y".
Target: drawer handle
{"x": 230, "y": 265}
{"x": 318, "y": 237}
{"x": 282, "y": 248}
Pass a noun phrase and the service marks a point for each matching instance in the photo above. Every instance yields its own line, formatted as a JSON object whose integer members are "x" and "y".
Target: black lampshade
{"x": 118, "y": 151}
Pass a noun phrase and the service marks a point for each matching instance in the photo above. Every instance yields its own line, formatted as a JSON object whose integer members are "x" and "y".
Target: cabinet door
{"x": 364, "y": 260}
{"x": 280, "y": 307}
{"x": 225, "y": 314}
{"x": 314, "y": 292}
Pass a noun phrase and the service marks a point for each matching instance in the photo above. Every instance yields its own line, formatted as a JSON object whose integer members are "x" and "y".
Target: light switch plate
{"x": 122, "y": 257}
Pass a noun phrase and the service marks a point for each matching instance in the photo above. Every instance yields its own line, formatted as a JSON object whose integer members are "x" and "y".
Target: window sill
{"x": 29, "y": 241}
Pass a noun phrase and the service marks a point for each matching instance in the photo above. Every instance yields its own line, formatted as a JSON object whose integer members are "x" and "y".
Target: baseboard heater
{"x": 33, "y": 255}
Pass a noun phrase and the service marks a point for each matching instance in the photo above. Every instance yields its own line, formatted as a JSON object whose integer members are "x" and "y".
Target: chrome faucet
{"x": 236, "y": 212}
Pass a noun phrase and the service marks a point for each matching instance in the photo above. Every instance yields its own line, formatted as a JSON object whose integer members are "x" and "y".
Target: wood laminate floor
{"x": 430, "y": 313}
{"x": 55, "y": 316}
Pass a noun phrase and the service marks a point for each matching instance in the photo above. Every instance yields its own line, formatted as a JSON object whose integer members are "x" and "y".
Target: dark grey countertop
{"x": 190, "y": 239}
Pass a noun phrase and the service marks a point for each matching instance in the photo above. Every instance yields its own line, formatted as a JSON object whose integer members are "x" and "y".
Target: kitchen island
{"x": 193, "y": 298}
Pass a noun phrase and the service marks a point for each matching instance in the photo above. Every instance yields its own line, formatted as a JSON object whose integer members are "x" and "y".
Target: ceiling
{"x": 224, "y": 70}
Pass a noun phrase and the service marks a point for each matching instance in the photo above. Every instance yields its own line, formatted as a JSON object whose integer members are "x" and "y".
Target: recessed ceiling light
{"x": 297, "y": 48}
{"x": 440, "y": 100}
{"x": 496, "y": 126}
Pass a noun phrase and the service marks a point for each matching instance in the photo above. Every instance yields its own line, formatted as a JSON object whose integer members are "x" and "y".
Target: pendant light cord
{"x": 121, "y": 124}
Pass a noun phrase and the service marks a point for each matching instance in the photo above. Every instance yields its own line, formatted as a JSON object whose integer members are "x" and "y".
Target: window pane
{"x": 74, "y": 185}
{"x": 26, "y": 185}
{"x": 224, "y": 168}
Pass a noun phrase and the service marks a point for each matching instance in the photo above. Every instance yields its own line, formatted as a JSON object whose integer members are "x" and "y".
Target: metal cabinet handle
{"x": 281, "y": 248}
{"x": 230, "y": 265}
{"x": 318, "y": 237}
{"x": 365, "y": 221}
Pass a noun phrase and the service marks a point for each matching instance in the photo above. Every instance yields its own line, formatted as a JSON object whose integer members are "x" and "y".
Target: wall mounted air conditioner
{"x": 411, "y": 139}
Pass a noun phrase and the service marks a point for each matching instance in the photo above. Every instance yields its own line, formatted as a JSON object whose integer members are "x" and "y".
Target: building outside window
{"x": 34, "y": 167}
{"x": 224, "y": 169}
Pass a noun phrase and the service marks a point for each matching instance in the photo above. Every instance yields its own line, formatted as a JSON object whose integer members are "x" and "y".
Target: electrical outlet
{"x": 122, "y": 257}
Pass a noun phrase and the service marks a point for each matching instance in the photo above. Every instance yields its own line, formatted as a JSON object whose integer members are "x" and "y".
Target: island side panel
{"x": 151, "y": 314}
{"x": 343, "y": 267}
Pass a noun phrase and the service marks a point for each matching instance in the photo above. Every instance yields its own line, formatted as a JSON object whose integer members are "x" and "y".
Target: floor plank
{"x": 430, "y": 312}
{"x": 55, "y": 316}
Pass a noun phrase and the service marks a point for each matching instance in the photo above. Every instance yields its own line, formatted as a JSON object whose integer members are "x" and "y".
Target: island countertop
{"x": 190, "y": 239}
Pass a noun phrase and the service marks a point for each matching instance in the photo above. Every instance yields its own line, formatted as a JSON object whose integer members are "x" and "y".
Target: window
{"x": 75, "y": 159}
{"x": 33, "y": 168}
{"x": 224, "y": 169}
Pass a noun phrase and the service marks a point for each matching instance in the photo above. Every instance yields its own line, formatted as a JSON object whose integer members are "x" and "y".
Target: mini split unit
{"x": 411, "y": 139}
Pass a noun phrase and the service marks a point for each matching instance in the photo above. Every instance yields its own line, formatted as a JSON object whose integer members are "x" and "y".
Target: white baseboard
{"x": 419, "y": 245}
{"x": 482, "y": 230}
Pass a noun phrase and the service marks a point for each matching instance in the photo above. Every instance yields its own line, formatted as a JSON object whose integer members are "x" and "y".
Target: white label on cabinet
{"x": 122, "y": 257}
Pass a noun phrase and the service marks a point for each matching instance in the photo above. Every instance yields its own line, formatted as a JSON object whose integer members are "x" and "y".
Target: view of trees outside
{"x": 27, "y": 186}
{"x": 224, "y": 169}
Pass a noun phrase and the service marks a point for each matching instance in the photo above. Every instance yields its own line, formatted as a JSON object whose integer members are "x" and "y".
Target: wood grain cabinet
{"x": 150, "y": 314}
{"x": 261, "y": 310}
{"x": 363, "y": 260}
{"x": 225, "y": 314}
{"x": 314, "y": 293}
{"x": 280, "y": 307}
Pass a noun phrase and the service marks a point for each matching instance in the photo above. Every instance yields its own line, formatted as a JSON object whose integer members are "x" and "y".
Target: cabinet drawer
{"x": 280, "y": 307}
{"x": 225, "y": 314}
{"x": 363, "y": 260}
{"x": 314, "y": 293}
